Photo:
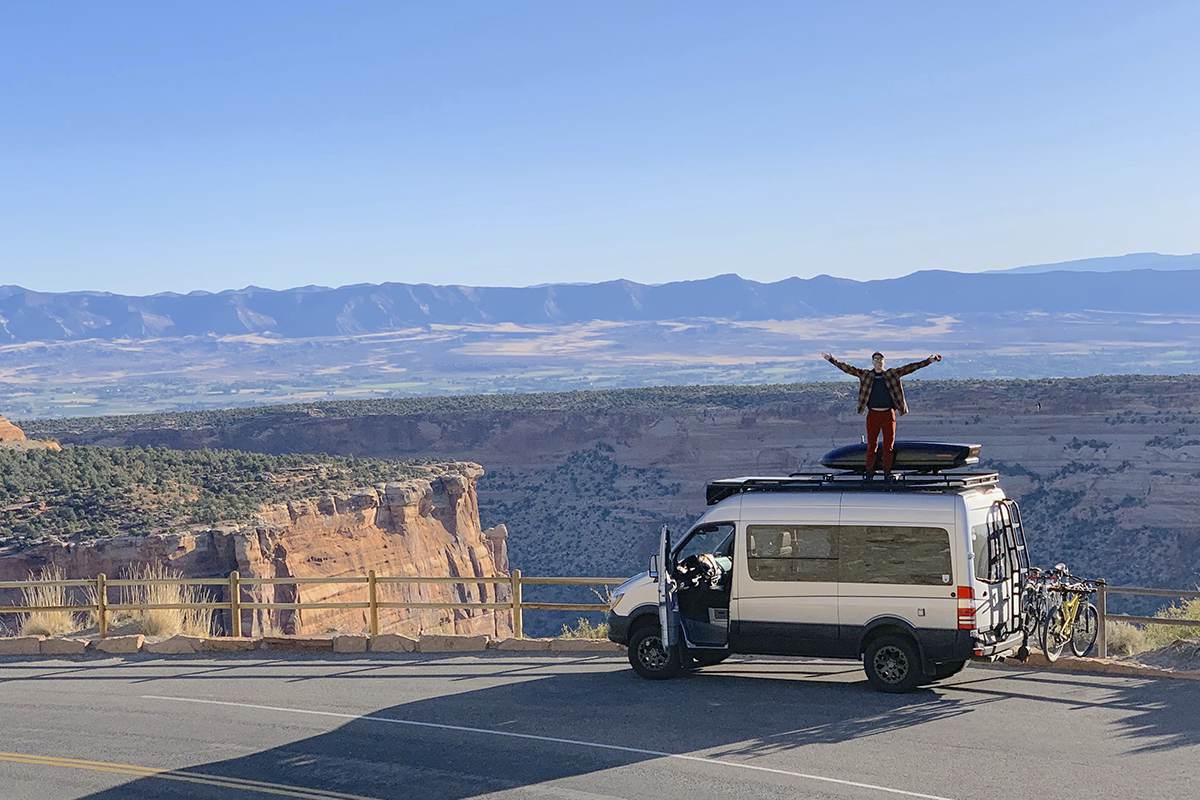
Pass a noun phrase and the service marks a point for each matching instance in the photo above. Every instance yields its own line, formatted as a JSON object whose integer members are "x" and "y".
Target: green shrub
{"x": 1162, "y": 635}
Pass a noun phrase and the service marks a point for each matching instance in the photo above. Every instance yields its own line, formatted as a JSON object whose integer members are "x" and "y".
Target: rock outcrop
{"x": 425, "y": 527}
{"x": 12, "y": 437}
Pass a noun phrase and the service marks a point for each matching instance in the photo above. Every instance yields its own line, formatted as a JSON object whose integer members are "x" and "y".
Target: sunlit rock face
{"x": 12, "y": 437}
{"x": 426, "y": 526}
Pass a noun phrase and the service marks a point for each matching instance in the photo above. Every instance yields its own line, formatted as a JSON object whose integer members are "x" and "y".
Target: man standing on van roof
{"x": 881, "y": 394}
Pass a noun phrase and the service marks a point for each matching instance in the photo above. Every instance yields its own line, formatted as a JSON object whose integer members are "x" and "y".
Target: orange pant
{"x": 881, "y": 422}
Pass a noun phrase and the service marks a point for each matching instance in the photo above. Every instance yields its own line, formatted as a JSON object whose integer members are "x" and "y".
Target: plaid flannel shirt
{"x": 866, "y": 377}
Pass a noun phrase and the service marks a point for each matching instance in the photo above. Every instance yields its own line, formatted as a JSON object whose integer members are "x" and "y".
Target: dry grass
{"x": 584, "y": 629}
{"x": 164, "y": 621}
{"x": 42, "y": 593}
{"x": 1125, "y": 639}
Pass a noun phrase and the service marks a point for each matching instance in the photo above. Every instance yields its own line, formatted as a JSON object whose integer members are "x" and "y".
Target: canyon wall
{"x": 425, "y": 527}
{"x": 1107, "y": 468}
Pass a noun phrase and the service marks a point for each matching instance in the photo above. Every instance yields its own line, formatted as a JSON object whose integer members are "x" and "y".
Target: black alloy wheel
{"x": 893, "y": 664}
{"x": 649, "y": 658}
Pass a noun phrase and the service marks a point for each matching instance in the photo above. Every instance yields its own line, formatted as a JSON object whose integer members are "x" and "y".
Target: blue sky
{"x": 175, "y": 146}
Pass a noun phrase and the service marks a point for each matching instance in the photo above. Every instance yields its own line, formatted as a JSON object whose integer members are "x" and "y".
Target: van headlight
{"x": 616, "y": 597}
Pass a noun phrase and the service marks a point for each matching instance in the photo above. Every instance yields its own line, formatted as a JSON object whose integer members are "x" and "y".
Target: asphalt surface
{"x": 504, "y": 726}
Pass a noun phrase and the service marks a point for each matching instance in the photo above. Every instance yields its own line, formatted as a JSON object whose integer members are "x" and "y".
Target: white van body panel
{"x": 925, "y": 606}
{"x": 783, "y": 601}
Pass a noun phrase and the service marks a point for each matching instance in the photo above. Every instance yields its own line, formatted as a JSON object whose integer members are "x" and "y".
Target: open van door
{"x": 667, "y": 609}
{"x": 654, "y": 650}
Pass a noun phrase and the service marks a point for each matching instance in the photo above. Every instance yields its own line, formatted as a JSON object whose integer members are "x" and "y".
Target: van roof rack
{"x": 718, "y": 490}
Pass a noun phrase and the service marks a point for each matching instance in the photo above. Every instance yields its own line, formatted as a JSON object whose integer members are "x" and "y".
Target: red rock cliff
{"x": 421, "y": 526}
{"x": 13, "y": 437}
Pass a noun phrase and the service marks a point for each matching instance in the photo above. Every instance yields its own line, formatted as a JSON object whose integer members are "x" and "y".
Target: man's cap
{"x": 877, "y": 353}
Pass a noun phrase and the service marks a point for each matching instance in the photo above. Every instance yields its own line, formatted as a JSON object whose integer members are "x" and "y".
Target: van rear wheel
{"x": 649, "y": 658}
{"x": 892, "y": 664}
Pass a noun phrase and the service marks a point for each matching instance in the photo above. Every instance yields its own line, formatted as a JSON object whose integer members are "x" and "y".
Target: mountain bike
{"x": 1035, "y": 601}
{"x": 1072, "y": 619}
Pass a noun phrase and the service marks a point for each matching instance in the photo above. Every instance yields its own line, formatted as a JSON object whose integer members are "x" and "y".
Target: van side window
{"x": 792, "y": 552}
{"x": 894, "y": 554}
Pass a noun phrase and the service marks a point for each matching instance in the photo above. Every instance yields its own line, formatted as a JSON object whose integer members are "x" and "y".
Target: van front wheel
{"x": 893, "y": 664}
{"x": 649, "y": 658}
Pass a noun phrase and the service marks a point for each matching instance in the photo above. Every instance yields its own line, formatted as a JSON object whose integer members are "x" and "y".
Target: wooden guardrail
{"x": 1103, "y": 616}
{"x": 235, "y": 583}
{"x": 100, "y": 586}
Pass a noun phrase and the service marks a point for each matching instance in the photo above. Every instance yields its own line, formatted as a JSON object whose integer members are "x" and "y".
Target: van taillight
{"x": 966, "y": 608}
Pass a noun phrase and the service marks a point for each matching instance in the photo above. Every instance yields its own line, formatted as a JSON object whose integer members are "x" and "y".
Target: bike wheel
{"x": 1085, "y": 630}
{"x": 1033, "y": 611}
{"x": 1052, "y": 636}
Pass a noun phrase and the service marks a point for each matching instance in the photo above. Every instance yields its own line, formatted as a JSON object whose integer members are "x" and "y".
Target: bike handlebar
{"x": 1066, "y": 582}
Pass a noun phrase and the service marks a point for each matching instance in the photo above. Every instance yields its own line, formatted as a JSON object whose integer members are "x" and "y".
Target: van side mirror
{"x": 653, "y": 570}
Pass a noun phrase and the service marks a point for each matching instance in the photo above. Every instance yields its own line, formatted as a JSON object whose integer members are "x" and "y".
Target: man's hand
{"x": 827, "y": 356}
{"x": 936, "y": 357}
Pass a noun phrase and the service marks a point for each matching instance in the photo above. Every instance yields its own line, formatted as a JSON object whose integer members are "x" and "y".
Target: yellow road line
{"x": 184, "y": 776}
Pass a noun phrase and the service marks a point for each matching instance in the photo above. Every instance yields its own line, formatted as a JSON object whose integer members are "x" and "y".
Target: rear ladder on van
{"x": 1008, "y": 563}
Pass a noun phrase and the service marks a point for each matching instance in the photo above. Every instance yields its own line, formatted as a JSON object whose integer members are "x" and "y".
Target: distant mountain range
{"x": 1159, "y": 284}
{"x": 1115, "y": 263}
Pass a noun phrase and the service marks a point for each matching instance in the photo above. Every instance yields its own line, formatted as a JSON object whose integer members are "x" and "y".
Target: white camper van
{"x": 913, "y": 576}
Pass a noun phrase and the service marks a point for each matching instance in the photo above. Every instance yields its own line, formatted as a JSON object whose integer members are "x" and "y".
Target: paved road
{"x": 498, "y": 726}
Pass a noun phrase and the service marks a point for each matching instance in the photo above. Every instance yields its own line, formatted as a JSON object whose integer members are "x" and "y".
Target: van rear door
{"x": 1001, "y": 562}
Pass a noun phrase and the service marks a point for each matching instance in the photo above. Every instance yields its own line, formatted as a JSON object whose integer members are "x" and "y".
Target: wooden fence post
{"x": 235, "y": 603}
{"x": 1102, "y": 621}
{"x": 373, "y": 599}
{"x": 102, "y": 604}
{"x": 518, "y": 623}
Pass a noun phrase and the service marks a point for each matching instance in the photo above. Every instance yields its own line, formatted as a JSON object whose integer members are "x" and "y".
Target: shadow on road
{"x": 407, "y": 750}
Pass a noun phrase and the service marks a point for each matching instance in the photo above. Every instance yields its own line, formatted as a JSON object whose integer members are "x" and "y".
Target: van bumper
{"x": 618, "y": 628}
{"x": 1000, "y": 649}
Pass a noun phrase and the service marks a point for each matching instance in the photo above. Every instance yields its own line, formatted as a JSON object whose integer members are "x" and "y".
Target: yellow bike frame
{"x": 1070, "y": 608}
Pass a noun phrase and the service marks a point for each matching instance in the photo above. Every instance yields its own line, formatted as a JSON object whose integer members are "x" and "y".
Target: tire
{"x": 893, "y": 664}
{"x": 1033, "y": 609}
{"x": 1052, "y": 646}
{"x": 1085, "y": 630}
{"x": 947, "y": 669}
{"x": 647, "y": 657}
{"x": 708, "y": 659}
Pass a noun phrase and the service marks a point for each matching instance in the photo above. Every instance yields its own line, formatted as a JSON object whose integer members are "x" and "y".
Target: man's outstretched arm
{"x": 916, "y": 365}
{"x": 849, "y": 369}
